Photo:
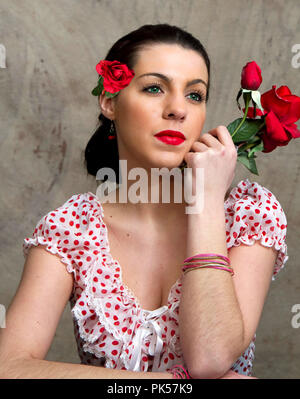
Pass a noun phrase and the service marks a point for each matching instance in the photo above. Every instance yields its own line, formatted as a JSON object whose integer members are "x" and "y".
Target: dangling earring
{"x": 112, "y": 132}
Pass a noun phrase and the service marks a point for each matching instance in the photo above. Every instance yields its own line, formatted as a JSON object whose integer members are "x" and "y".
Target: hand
{"x": 215, "y": 152}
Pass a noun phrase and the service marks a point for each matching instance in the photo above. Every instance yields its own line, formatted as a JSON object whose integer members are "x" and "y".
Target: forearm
{"x": 44, "y": 369}
{"x": 210, "y": 319}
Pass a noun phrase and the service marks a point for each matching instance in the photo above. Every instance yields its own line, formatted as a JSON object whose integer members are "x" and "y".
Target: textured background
{"x": 48, "y": 114}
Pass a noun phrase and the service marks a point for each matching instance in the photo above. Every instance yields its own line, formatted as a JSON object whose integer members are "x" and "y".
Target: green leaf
{"x": 98, "y": 89}
{"x": 246, "y": 95}
{"x": 110, "y": 95}
{"x": 237, "y": 98}
{"x": 254, "y": 108}
{"x": 258, "y": 147}
{"x": 246, "y": 90}
{"x": 256, "y": 99}
{"x": 248, "y": 129}
{"x": 249, "y": 143}
{"x": 249, "y": 163}
{"x": 254, "y": 139}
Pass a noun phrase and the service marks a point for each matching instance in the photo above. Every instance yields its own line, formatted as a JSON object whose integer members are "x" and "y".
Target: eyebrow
{"x": 164, "y": 77}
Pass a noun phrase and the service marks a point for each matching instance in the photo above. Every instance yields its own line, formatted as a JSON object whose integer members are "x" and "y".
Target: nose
{"x": 175, "y": 107}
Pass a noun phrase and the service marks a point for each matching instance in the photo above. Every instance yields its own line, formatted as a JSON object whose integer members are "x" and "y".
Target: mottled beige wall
{"x": 47, "y": 115}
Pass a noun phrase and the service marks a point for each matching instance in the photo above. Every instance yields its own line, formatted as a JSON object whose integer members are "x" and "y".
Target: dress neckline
{"x": 127, "y": 290}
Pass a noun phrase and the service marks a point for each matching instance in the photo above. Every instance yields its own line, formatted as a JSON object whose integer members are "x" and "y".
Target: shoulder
{"x": 77, "y": 210}
{"x": 64, "y": 228}
{"x": 253, "y": 213}
{"x": 252, "y": 196}
{"x": 78, "y": 202}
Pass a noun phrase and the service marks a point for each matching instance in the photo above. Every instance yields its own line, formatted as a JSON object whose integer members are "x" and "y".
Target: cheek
{"x": 199, "y": 122}
{"x": 202, "y": 116}
{"x": 137, "y": 114}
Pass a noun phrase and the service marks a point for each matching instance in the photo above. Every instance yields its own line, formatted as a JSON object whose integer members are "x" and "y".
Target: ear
{"x": 107, "y": 106}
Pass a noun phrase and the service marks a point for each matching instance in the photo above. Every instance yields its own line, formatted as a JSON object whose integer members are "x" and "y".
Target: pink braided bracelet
{"x": 176, "y": 371}
{"x": 198, "y": 262}
{"x": 208, "y": 256}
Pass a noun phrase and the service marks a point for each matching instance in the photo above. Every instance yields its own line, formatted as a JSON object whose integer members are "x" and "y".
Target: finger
{"x": 199, "y": 147}
{"x": 211, "y": 141}
{"x": 223, "y": 135}
{"x": 197, "y": 150}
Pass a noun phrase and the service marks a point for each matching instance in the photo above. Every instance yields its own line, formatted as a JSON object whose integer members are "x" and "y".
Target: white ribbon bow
{"x": 148, "y": 328}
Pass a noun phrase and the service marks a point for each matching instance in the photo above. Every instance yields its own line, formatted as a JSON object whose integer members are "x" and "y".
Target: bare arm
{"x": 31, "y": 322}
{"x": 218, "y": 313}
{"x": 210, "y": 317}
{"x": 28, "y": 368}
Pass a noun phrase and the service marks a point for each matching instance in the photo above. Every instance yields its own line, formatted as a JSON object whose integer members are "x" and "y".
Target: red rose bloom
{"x": 251, "y": 76}
{"x": 250, "y": 113}
{"x": 116, "y": 76}
{"x": 283, "y": 110}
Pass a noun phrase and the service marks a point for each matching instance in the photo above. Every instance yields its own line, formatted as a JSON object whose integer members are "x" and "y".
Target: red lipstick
{"x": 172, "y": 137}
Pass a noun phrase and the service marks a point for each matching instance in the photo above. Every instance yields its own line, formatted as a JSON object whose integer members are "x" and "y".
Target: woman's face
{"x": 150, "y": 104}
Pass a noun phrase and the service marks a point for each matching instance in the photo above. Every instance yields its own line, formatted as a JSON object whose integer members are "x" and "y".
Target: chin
{"x": 168, "y": 165}
{"x": 157, "y": 159}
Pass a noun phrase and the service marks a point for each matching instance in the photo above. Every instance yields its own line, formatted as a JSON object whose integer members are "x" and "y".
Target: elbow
{"x": 11, "y": 368}
{"x": 208, "y": 370}
{"x": 212, "y": 366}
{"x": 214, "y": 360}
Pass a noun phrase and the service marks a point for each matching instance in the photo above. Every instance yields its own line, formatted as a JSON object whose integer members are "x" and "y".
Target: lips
{"x": 172, "y": 137}
{"x": 172, "y": 133}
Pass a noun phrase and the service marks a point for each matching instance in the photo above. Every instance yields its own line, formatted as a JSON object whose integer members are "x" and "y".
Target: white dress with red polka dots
{"x": 111, "y": 328}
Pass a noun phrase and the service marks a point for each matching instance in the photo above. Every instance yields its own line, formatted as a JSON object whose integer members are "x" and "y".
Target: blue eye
{"x": 151, "y": 87}
{"x": 198, "y": 96}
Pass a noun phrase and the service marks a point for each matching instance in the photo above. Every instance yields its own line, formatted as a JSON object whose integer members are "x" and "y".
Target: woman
{"x": 141, "y": 331}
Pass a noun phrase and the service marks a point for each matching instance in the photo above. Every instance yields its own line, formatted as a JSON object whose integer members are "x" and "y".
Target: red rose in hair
{"x": 116, "y": 76}
{"x": 251, "y": 76}
{"x": 283, "y": 110}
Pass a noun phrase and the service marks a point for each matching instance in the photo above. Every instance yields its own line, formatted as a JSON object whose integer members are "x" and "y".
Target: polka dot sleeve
{"x": 254, "y": 213}
{"x": 64, "y": 231}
